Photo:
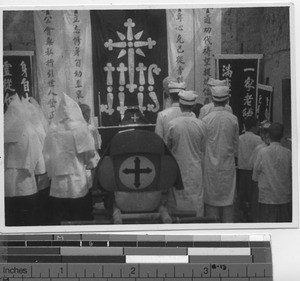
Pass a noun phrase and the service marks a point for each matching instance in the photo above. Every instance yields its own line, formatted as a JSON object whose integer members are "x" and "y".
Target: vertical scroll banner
{"x": 63, "y": 44}
{"x": 49, "y": 38}
{"x": 193, "y": 38}
{"x": 241, "y": 73}
{"x": 129, "y": 62}
{"x": 78, "y": 62}
{"x": 207, "y": 44}
{"x": 181, "y": 55}
{"x": 17, "y": 74}
{"x": 264, "y": 102}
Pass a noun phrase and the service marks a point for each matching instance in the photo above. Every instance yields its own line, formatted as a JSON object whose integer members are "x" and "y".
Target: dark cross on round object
{"x": 137, "y": 171}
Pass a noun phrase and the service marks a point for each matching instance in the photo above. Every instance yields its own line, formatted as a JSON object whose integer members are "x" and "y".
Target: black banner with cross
{"x": 17, "y": 74}
{"x": 129, "y": 63}
{"x": 241, "y": 73}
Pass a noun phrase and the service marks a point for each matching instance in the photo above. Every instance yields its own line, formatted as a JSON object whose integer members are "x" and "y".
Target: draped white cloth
{"x": 23, "y": 149}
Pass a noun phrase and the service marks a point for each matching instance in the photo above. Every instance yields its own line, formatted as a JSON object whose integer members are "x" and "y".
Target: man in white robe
{"x": 186, "y": 138}
{"x": 207, "y": 108}
{"x": 220, "y": 152}
{"x": 168, "y": 114}
{"x": 69, "y": 150}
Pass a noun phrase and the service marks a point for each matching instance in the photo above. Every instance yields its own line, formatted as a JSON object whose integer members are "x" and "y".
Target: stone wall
{"x": 263, "y": 31}
{"x": 276, "y": 46}
{"x": 241, "y": 31}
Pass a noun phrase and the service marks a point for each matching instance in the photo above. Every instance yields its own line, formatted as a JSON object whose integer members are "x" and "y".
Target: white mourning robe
{"x": 163, "y": 119}
{"x": 219, "y": 164}
{"x": 41, "y": 126}
{"x": 23, "y": 152}
{"x": 185, "y": 139}
{"x": 207, "y": 108}
{"x": 69, "y": 148}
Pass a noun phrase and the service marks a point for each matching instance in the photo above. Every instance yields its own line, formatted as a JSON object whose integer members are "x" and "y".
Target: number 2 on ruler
{"x": 132, "y": 270}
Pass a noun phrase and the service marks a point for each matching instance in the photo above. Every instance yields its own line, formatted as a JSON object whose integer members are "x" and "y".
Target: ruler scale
{"x": 91, "y": 257}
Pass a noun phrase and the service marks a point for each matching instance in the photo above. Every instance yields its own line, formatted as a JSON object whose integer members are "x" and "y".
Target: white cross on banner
{"x": 130, "y": 62}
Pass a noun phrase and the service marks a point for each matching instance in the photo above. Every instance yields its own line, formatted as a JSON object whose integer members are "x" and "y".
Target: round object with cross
{"x": 138, "y": 168}
{"x": 137, "y": 172}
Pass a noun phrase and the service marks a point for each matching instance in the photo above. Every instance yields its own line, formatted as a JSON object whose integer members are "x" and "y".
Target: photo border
{"x": 165, "y": 227}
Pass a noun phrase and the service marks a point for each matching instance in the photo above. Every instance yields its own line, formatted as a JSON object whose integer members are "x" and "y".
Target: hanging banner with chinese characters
{"x": 207, "y": 44}
{"x": 193, "y": 38}
{"x": 181, "y": 52}
{"x": 78, "y": 62}
{"x": 64, "y": 57}
{"x": 50, "y": 65}
{"x": 129, "y": 61}
{"x": 241, "y": 73}
{"x": 17, "y": 74}
{"x": 264, "y": 103}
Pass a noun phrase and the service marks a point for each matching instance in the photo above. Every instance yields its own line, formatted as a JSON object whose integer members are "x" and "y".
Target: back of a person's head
{"x": 250, "y": 123}
{"x": 264, "y": 131}
{"x": 185, "y": 107}
{"x": 174, "y": 97}
{"x": 174, "y": 89}
{"x": 220, "y": 103}
{"x": 220, "y": 95}
{"x": 276, "y": 132}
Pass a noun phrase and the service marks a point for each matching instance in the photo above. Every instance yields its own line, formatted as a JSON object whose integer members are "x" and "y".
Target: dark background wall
{"x": 18, "y": 31}
{"x": 263, "y": 31}
{"x": 244, "y": 30}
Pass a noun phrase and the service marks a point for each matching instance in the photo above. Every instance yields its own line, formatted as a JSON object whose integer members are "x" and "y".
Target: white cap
{"x": 220, "y": 93}
{"x": 175, "y": 87}
{"x": 216, "y": 82}
{"x": 187, "y": 97}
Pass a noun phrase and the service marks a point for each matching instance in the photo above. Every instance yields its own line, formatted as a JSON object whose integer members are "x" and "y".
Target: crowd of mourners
{"x": 227, "y": 177}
